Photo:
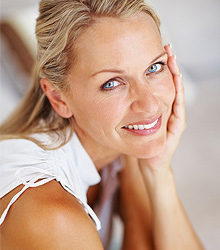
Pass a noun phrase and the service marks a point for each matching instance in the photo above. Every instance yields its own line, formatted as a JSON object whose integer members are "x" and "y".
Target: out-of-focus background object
{"x": 193, "y": 27}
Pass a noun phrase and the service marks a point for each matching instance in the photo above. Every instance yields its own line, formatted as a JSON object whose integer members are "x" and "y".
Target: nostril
{"x": 145, "y": 102}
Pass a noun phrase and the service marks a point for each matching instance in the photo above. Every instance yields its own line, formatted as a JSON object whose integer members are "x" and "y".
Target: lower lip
{"x": 145, "y": 132}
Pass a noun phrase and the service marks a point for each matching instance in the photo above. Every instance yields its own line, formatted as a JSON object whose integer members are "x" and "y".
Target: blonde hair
{"x": 59, "y": 24}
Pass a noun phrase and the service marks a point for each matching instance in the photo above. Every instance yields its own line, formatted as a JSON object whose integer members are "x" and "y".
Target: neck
{"x": 100, "y": 155}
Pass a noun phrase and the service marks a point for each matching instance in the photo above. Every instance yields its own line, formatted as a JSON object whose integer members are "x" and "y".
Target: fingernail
{"x": 181, "y": 76}
{"x": 171, "y": 46}
{"x": 174, "y": 56}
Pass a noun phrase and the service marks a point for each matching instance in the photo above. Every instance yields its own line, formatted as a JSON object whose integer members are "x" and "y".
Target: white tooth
{"x": 151, "y": 125}
{"x": 147, "y": 126}
{"x": 155, "y": 122}
{"x": 135, "y": 127}
{"x": 141, "y": 127}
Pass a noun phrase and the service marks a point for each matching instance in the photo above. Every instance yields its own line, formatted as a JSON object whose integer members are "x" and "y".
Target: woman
{"x": 104, "y": 89}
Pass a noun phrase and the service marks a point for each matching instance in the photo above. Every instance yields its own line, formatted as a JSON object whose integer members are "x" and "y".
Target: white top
{"x": 24, "y": 162}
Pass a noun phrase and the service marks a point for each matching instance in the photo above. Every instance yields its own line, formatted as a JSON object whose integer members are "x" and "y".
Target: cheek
{"x": 108, "y": 111}
{"x": 99, "y": 112}
{"x": 170, "y": 93}
{"x": 167, "y": 91}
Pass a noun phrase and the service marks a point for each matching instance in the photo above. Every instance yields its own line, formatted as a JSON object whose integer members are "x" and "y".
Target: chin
{"x": 151, "y": 150}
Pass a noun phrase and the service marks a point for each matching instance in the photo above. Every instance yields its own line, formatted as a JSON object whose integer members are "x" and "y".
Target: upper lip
{"x": 143, "y": 122}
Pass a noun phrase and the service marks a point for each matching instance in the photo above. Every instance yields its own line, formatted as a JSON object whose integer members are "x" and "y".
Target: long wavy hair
{"x": 59, "y": 24}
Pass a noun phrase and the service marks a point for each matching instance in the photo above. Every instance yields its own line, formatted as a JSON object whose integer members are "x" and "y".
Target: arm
{"x": 48, "y": 217}
{"x": 171, "y": 227}
{"x": 134, "y": 208}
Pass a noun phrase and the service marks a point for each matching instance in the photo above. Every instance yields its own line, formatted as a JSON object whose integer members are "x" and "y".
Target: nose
{"x": 144, "y": 99}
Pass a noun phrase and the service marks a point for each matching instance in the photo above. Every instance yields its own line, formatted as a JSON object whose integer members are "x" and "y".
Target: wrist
{"x": 157, "y": 175}
{"x": 161, "y": 185}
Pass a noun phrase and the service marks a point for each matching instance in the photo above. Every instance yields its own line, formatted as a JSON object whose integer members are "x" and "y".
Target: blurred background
{"x": 193, "y": 28}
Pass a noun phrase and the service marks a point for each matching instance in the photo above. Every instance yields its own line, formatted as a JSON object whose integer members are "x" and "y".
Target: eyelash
{"x": 162, "y": 63}
{"x": 115, "y": 79}
{"x": 110, "y": 89}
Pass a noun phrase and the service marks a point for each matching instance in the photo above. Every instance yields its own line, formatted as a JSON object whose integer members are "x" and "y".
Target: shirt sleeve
{"x": 22, "y": 162}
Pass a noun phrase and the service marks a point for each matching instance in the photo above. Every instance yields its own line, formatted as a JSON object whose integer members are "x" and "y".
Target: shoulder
{"x": 17, "y": 148}
{"x": 15, "y": 143}
{"x": 48, "y": 217}
{"x": 21, "y": 157}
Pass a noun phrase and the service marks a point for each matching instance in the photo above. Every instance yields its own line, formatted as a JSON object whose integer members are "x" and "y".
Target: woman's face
{"x": 121, "y": 90}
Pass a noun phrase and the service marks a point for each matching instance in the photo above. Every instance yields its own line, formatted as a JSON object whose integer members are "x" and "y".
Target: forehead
{"x": 115, "y": 40}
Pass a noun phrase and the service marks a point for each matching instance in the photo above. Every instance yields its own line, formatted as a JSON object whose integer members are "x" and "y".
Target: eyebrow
{"x": 121, "y": 71}
{"x": 162, "y": 54}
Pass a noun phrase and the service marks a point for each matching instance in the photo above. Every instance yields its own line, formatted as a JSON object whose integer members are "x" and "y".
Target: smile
{"x": 141, "y": 126}
{"x": 144, "y": 128}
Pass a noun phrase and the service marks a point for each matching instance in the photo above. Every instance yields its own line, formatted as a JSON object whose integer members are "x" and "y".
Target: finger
{"x": 168, "y": 49}
{"x": 177, "y": 76}
{"x": 177, "y": 121}
{"x": 179, "y": 103}
{"x": 172, "y": 62}
{"x": 173, "y": 66}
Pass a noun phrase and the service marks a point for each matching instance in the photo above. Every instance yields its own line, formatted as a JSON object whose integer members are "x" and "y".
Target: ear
{"x": 55, "y": 98}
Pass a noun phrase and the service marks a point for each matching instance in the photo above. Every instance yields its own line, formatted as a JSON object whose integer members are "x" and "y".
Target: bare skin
{"x": 135, "y": 208}
{"x": 166, "y": 219}
{"x": 48, "y": 217}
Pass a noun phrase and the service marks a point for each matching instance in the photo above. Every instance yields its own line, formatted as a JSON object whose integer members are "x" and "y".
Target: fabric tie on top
{"x": 38, "y": 180}
{"x": 22, "y": 162}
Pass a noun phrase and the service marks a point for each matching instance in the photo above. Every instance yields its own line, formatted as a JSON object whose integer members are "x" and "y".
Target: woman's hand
{"x": 171, "y": 226}
{"x": 176, "y": 123}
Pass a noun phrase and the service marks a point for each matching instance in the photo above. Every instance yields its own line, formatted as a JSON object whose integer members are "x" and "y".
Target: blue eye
{"x": 110, "y": 85}
{"x": 157, "y": 67}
